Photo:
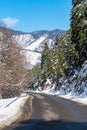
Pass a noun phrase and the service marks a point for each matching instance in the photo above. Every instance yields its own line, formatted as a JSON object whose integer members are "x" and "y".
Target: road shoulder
{"x": 17, "y": 110}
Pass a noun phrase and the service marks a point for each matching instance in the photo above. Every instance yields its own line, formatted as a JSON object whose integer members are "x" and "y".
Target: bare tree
{"x": 13, "y": 76}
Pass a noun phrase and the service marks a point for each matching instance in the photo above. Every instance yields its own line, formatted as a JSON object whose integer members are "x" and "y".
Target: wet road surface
{"x": 54, "y": 113}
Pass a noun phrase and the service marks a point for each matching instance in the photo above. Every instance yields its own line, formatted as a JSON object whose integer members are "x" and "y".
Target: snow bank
{"x": 81, "y": 85}
{"x": 11, "y": 110}
{"x": 73, "y": 88}
{"x": 69, "y": 96}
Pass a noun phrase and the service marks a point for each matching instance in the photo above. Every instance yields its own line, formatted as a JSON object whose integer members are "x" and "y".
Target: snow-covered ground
{"x": 37, "y": 43}
{"x": 32, "y": 58}
{"x": 10, "y": 110}
{"x": 73, "y": 88}
{"x": 24, "y": 40}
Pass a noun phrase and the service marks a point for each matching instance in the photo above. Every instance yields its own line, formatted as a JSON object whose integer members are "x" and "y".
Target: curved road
{"x": 54, "y": 113}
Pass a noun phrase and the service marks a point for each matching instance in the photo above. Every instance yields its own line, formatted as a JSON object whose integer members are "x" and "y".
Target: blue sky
{"x": 31, "y": 15}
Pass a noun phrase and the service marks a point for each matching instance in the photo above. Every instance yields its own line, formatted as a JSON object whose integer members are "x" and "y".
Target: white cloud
{"x": 9, "y": 22}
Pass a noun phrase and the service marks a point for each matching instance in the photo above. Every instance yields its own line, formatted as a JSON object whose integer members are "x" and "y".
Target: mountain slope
{"x": 36, "y": 38}
{"x": 24, "y": 39}
{"x": 33, "y": 43}
{"x": 52, "y": 34}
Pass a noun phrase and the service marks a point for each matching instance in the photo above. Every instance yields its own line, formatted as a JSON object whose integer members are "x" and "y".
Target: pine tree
{"x": 79, "y": 28}
{"x": 46, "y": 62}
{"x": 59, "y": 62}
{"x": 76, "y": 2}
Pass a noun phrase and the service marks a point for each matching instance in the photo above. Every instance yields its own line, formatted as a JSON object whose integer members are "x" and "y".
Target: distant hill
{"x": 32, "y": 43}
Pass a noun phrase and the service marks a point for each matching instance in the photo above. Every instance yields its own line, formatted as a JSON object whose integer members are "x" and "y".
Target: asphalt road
{"x": 54, "y": 113}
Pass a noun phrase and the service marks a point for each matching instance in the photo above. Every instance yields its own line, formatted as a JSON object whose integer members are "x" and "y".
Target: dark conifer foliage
{"x": 79, "y": 29}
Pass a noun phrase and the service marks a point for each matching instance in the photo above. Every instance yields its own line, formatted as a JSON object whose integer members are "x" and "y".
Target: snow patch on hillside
{"x": 37, "y": 43}
{"x": 31, "y": 48}
{"x": 24, "y": 40}
{"x": 32, "y": 58}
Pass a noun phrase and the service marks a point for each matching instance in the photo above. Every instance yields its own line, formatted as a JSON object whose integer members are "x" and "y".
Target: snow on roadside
{"x": 10, "y": 110}
{"x": 79, "y": 99}
{"x": 74, "y": 88}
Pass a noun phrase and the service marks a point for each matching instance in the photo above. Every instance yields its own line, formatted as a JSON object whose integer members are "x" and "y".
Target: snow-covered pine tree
{"x": 69, "y": 49}
{"x": 79, "y": 28}
{"x": 58, "y": 59}
{"x": 46, "y": 62}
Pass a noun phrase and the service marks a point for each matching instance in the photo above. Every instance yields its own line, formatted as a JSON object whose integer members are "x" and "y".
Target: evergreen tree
{"x": 36, "y": 73}
{"x": 58, "y": 58}
{"x": 46, "y": 62}
{"x": 69, "y": 49}
{"x": 79, "y": 28}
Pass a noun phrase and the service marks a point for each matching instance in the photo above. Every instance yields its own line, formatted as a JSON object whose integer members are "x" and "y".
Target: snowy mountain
{"x": 38, "y": 44}
{"x": 24, "y": 39}
{"x": 33, "y": 43}
{"x": 35, "y": 40}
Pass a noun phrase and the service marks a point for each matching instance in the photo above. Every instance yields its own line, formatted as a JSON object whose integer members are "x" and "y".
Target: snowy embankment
{"x": 11, "y": 110}
{"x": 73, "y": 88}
{"x": 72, "y": 97}
{"x": 79, "y": 99}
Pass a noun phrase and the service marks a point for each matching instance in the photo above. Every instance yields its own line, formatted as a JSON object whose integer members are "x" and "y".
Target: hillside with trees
{"x": 67, "y": 59}
{"x": 62, "y": 60}
{"x": 79, "y": 29}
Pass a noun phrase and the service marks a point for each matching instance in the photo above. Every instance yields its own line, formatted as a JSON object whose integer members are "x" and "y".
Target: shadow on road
{"x": 36, "y": 124}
